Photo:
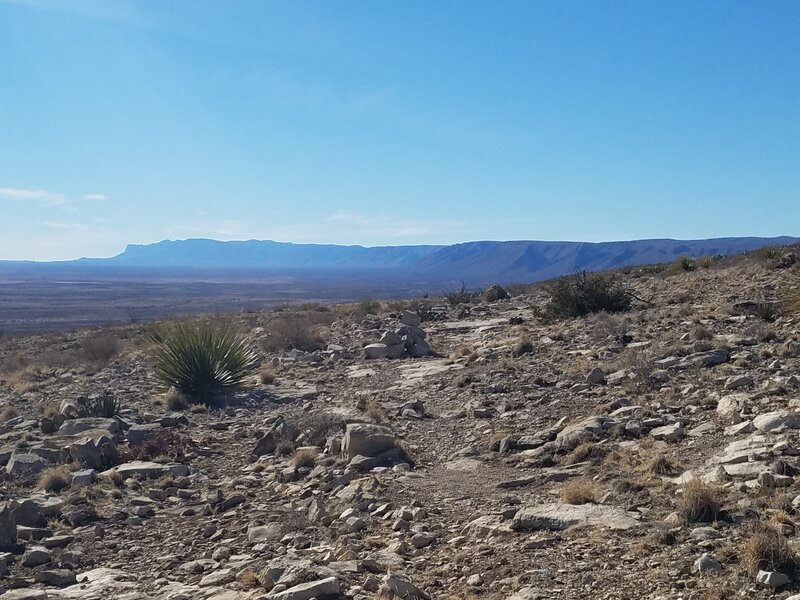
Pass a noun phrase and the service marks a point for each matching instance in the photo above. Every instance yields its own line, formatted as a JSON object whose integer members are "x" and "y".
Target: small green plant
{"x": 767, "y": 311}
{"x": 684, "y": 263}
{"x": 460, "y": 296}
{"x": 585, "y": 294}
{"x": 105, "y": 405}
{"x": 202, "y": 361}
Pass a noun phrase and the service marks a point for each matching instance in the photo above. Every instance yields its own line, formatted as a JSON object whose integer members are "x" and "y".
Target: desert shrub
{"x": 266, "y": 375}
{"x": 100, "y": 348}
{"x": 684, "y": 263}
{"x": 661, "y": 466}
{"x": 585, "y": 294}
{"x": 54, "y": 479}
{"x": 460, "y": 296}
{"x": 164, "y": 444}
{"x": 304, "y": 457}
{"x": 202, "y": 361}
{"x": 426, "y": 312}
{"x": 579, "y": 491}
{"x": 700, "y": 502}
{"x": 105, "y": 405}
{"x": 298, "y": 331}
{"x": 771, "y": 256}
{"x": 367, "y": 306}
{"x": 523, "y": 346}
{"x": 791, "y": 302}
{"x": 765, "y": 549}
{"x": 317, "y": 427}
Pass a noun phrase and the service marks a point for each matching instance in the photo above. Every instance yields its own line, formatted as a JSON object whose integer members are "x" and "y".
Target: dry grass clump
{"x": 765, "y": 549}
{"x": 586, "y": 451}
{"x": 661, "y": 466}
{"x": 579, "y": 491}
{"x": 266, "y": 375}
{"x": 700, "y": 502}
{"x": 304, "y": 457}
{"x": 54, "y": 479}
{"x": 100, "y": 348}
{"x": 175, "y": 400}
{"x": 298, "y": 331}
{"x": 375, "y": 412}
{"x": 523, "y": 346}
{"x": 699, "y": 332}
{"x": 250, "y": 579}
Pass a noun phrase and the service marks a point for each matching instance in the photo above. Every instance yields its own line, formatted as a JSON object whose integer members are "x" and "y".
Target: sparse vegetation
{"x": 266, "y": 375}
{"x": 304, "y": 457}
{"x": 299, "y": 331}
{"x": 587, "y": 293}
{"x": 54, "y": 479}
{"x": 579, "y": 491}
{"x": 523, "y": 346}
{"x": 105, "y": 405}
{"x": 765, "y": 549}
{"x": 100, "y": 348}
{"x": 767, "y": 311}
{"x": 460, "y": 296}
{"x": 685, "y": 264}
{"x": 202, "y": 361}
{"x": 700, "y": 502}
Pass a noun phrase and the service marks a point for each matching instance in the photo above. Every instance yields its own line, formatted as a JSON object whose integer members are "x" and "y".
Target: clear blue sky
{"x": 377, "y": 122}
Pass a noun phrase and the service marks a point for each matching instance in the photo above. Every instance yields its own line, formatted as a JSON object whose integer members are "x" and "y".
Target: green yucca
{"x": 201, "y": 360}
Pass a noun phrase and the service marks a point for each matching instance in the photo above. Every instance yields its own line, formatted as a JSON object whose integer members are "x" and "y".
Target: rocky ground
{"x": 652, "y": 454}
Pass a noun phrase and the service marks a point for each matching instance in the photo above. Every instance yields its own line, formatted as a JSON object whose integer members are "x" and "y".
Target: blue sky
{"x": 394, "y": 122}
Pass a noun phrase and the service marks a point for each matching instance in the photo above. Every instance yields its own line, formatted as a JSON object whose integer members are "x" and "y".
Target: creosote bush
{"x": 587, "y": 293}
{"x": 202, "y": 361}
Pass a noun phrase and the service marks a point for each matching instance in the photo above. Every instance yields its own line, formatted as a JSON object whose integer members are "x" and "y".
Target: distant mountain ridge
{"x": 476, "y": 262}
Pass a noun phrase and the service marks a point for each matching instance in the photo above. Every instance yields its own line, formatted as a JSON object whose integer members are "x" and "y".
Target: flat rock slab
{"x": 138, "y": 468}
{"x": 413, "y": 372}
{"x": 76, "y": 426}
{"x": 556, "y": 517}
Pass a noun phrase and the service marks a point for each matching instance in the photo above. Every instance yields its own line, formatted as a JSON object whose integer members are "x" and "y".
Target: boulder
{"x": 137, "y": 434}
{"x": 306, "y": 591}
{"x": 588, "y": 430}
{"x": 404, "y": 589}
{"x": 556, "y": 517}
{"x": 410, "y": 318}
{"x": 280, "y": 431}
{"x": 729, "y": 408}
{"x": 76, "y": 426}
{"x": 26, "y": 465}
{"x": 777, "y": 421}
{"x": 366, "y": 439}
{"x": 493, "y": 293}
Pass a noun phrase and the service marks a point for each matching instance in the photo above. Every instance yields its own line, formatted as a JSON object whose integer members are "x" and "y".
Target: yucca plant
{"x": 106, "y": 405}
{"x": 202, "y": 361}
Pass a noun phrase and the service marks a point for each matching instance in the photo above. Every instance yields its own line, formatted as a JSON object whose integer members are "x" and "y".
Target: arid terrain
{"x": 649, "y": 454}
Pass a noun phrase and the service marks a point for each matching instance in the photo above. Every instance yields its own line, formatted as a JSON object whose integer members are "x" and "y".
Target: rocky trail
{"x": 481, "y": 453}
